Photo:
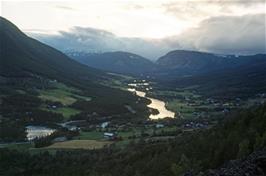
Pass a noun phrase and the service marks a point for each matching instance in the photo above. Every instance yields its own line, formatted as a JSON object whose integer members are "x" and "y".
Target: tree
{"x": 176, "y": 169}
{"x": 243, "y": 148}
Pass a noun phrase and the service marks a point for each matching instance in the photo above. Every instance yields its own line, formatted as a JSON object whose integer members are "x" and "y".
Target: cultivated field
{"x": 80, "y": 144}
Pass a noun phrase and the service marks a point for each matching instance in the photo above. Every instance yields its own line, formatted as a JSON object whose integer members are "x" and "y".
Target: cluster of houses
{"x": 51, "y": 106}
{"x": 196, "y": 125}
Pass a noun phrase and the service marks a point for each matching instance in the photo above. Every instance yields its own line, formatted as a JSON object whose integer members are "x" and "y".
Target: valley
{"x": 118, "y": 113}
{"x": 187, "y": 112}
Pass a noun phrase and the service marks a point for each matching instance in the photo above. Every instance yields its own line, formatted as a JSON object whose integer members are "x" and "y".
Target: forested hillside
{"x": 237, "y": 136}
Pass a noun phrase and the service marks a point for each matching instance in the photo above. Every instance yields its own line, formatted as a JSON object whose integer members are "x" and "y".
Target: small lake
{"x": 155, "y": 104}
{"x": 38, "y": 131}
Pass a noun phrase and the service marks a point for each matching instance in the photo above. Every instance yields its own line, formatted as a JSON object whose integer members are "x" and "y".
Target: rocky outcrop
{"x": 252, "y": 165}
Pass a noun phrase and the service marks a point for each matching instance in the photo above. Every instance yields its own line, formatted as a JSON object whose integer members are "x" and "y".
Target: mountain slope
{"x": 193, "y": 62}
{"x": 243, "y": 81}
{"x": 119, "y": 62}
{"x": 29, "y": 67}
{"x": 236, "y": 137}
{"x": 21, "y": 55}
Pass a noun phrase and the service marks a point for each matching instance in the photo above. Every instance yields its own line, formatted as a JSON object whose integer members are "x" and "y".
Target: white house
{"x": 110, "y": 136}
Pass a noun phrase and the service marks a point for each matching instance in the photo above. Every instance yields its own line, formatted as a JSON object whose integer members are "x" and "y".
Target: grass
{"x": 183, "y": 93}
{"x": 178, "y": 106}
{"x": 82, "y": 97}
{"x": 118, "y": 81}
{"x": 123, "y": 143}
{"x": 80, "y": 144}
{"x": 19, "y": 147}
{"x": 183, "y": 100}
{"x": 97, "y": 135}
{"x": 93, "y": 135}
{"x": 62, "y": 93}
{"x": 57, "y": 95}
{"x": 65, "y": 95}
{"x": 67, "y": 112}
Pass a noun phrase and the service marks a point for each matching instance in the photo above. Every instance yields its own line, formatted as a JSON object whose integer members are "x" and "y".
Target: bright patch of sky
{"x": 124, "y": 18}
{"x": 147, "y": 27}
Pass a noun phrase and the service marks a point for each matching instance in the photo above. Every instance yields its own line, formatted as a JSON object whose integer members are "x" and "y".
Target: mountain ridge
{"x": 118, "y": 61}
{"x": 194, "y": 62}
{"x": 21, "y": 54}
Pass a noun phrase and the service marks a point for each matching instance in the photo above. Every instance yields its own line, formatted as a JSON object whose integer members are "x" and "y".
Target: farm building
{"x": 110, "y": 136}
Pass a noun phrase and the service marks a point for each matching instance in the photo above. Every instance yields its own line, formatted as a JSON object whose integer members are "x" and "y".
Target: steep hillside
{"x": 235, "y": 138}
{"x": 119, "y": 62}
{"x": 33, "y": 76}
{"x": 23, "y": 55}
{"x": 243, "y": 81}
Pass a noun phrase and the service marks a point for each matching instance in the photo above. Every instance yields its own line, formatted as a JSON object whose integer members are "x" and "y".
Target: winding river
{"x": 155, "y": 103}
{"x": 41, "y": 131}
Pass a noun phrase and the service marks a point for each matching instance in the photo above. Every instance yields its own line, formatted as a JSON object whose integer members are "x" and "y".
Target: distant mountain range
{"x": 212, "y": 74}
{"x": 119, "y": 62}
{"x": 174, "y": 64}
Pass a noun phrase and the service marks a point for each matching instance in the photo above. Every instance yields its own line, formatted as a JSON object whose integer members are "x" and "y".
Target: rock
{"x": 252, "y": 165}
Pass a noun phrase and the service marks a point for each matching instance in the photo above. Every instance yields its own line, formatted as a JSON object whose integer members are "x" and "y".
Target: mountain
{"x": 22, "y": 55}
{"x": 194, "y": 62}
{"x": 241, "y": 81}
{"x": 29, "y": 67}
{"x": 213, "y": 75}
{"x": 119, "y": 62}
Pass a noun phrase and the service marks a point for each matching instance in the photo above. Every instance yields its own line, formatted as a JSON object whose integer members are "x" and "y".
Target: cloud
{"x": 97, "y": 40}
{"x": 223, "y": 34}
{"x": 202, "y": 9}
{"x": 64, "y": 7}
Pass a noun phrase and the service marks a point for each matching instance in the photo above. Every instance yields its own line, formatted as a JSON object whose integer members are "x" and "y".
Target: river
{"x": 37, "y": 132}
{"x": 155, "y": 103}
{"x": 41, "y": 131}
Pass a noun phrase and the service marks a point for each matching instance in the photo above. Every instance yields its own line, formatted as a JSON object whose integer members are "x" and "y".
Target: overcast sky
{"x": 147, "y": 27}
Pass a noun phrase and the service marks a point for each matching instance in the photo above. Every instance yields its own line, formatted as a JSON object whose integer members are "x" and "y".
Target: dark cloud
{"x": 225, "y": 34}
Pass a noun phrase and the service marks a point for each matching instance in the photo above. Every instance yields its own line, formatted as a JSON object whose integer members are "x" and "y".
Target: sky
{"x": 147, "y": 27}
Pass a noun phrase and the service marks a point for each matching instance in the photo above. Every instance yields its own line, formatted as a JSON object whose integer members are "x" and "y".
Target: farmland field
{"x": 80, "y": 144}
{"x": 63, "y": 94}
{"x": 67, "y": 112}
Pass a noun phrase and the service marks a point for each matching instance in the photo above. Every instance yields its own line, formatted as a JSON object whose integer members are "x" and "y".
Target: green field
{"x": 67, "y": 112}
{"x": 93, "y": 135}
{"x": 19, "y": 147}
{"x": 179, "y": 106}
{"x": 63, "y": 94}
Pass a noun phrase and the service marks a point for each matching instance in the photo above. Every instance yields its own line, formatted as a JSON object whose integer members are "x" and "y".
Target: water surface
{"x": 38, "y": 131}
{"x": 155, "y": 104}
